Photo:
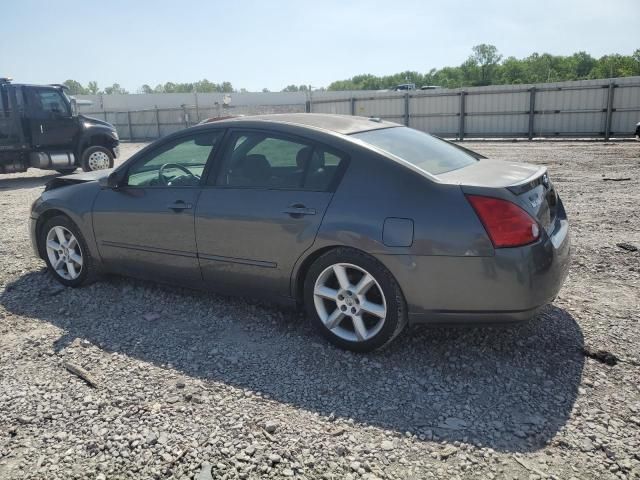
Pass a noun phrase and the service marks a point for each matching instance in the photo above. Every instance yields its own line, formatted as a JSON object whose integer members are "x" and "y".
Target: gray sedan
{"x": 368, "y": 224}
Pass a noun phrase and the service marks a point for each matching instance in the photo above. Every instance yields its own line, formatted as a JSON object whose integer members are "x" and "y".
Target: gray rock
{"x": 152, "y": 438}
{"x": 447, "y": 452}
{"x": 387, "y": 445}
{"x": 271, "y": 426}
{"x": 205, "y": 472}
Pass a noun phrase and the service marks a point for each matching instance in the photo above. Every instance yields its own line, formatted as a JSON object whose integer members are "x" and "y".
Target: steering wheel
{"x": 163, "y": 179}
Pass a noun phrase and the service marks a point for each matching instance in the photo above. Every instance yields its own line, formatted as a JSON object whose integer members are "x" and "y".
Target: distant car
{"x": 638, "y": 131}
{"x": 369, "y": 224}
{"x": 404, "y": 86}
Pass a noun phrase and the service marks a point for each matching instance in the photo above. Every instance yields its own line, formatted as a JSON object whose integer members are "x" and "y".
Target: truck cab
{"x": 40, "y": 128}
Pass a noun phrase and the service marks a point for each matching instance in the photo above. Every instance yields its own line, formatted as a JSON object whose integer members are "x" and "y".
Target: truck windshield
{"x": 428, "y": 153}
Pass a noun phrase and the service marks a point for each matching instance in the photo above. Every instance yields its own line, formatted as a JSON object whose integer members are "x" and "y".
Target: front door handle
{"x": 298, "y": 210}
{"x": 179, "y": 206}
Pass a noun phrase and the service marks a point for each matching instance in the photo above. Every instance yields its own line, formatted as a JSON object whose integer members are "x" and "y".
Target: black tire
{"x": 88, "y": 272}
{"x": 86, "y": 156}
{"x": 66, "y": 171}
{"x": 396, "y": 313}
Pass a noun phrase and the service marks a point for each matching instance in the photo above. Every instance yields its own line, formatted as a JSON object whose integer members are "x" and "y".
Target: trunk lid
{"x": 530, "y": 184}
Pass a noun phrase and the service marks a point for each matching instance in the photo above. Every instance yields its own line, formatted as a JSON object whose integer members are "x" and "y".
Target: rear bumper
{"x": 510, "y": 286}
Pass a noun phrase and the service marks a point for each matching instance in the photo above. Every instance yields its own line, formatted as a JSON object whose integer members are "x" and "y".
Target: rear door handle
{"x": 179, "y": 206}
{"x": 298, "y": 210}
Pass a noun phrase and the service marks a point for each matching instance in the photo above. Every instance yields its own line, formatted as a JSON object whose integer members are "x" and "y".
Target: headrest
{"x": 306, "y": 155}
{"x": 303, "y": 157}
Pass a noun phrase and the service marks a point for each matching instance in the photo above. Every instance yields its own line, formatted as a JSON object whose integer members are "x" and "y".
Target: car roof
{"x": 344, "y": 124}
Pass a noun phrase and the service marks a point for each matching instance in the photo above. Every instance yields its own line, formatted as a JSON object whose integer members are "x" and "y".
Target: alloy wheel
{"x": 350, "y": 302}
{"x": 64, "y": 252}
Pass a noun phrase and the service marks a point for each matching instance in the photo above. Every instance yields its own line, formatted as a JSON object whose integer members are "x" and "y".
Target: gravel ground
{"x": 190, "y": 384}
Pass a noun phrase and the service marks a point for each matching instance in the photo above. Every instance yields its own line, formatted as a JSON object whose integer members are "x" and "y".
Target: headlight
{"x": 115, "y": 135}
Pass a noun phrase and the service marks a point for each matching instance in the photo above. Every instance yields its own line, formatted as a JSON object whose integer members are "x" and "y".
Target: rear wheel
{"x": 354, "y": 300}
{"x": 97, "y": 158}
{"x": 66, "y": 252}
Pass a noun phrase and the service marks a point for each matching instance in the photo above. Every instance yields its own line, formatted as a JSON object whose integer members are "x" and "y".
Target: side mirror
{"x": 114, "y": 181}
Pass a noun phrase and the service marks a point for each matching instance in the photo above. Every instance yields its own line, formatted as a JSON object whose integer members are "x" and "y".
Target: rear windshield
{"x": 428, "y": 153}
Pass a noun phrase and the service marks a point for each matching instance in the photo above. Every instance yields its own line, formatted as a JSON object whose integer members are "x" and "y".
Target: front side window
{"x": 428, "y": 153}
{"x": 179, "y": 163}
{"x": 49, "y": 103}
{"x": 261, "y": 160}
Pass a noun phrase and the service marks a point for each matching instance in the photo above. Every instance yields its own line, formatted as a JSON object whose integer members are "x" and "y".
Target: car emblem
{"x": 535, "y": 200}
{"x": 545, "y": 180}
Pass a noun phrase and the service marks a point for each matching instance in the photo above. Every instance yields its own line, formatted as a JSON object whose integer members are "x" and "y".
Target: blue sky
{"x": 273, "y": 43}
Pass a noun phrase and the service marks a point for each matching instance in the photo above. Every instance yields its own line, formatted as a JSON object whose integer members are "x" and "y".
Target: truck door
{"x": 51, "y": 122}
{"x": 10, "y": 137}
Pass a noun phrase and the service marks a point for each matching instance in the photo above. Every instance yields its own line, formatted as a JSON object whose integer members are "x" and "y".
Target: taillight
{"x": 507, "y": 224}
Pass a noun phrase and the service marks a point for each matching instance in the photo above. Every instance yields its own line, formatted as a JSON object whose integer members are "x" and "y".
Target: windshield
{"x": 428, "y": 153}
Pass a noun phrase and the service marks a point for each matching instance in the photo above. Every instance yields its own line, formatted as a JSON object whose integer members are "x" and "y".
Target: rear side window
{"x": 259, "y": 160}
{"x": 428, "y": 153}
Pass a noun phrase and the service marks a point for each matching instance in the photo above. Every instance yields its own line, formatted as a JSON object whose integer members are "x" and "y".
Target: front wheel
{"x": 97, "y": 158}
{"x": 66, "y": 252}
{"x": 354, "y": 300}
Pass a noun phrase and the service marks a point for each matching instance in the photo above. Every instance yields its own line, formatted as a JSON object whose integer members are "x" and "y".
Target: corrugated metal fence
{"x": 589, "y": 108}
{"x": 158, "y": 122}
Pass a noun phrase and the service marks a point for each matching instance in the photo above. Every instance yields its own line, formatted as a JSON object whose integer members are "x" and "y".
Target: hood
{"x": 78, "y": 178}
{"x": 492, "y": 173}
{"x": 95, "y": 121}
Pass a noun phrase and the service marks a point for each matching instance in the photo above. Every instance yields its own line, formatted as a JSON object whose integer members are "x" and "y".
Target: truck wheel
{"x": 96, "y": 158}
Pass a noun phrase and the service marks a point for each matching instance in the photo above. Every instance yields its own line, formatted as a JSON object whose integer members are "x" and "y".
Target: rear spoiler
{"x": 475, "y": 155}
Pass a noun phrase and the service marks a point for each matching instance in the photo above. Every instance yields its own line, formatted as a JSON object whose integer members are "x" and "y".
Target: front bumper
{"x": 510, "y": 286}
{"x": 33, "y": 224}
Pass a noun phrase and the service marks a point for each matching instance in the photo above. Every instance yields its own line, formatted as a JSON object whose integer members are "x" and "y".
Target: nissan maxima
{"x": 367, "y": 224}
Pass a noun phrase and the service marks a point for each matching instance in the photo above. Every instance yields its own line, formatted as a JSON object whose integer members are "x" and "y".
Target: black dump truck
{"x": 40, "y": 128}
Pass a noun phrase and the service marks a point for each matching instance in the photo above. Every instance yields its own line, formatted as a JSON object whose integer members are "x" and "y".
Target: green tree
{"x": 487, "y": 58}
{"x": 92, "y": 88}
{"x": 615, "y": 65}
{"x": 115, "y": 89}
{"x": 581, "y": 64}
{"x": 511, "y": 71}
{"x": 75, "y": 88}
